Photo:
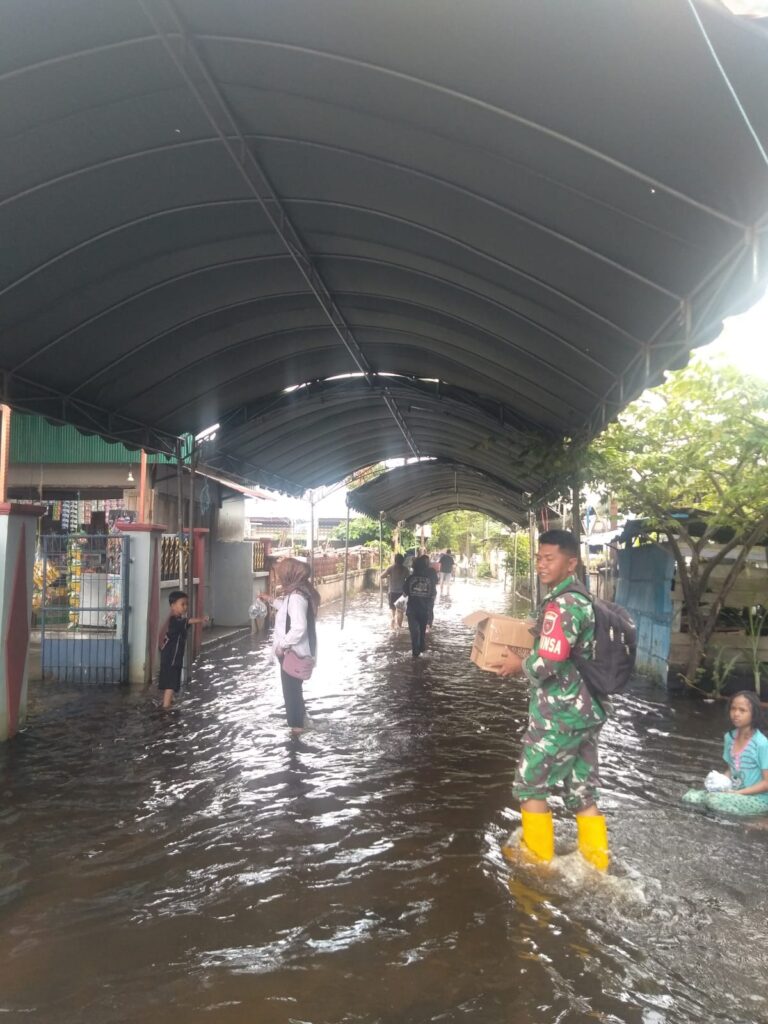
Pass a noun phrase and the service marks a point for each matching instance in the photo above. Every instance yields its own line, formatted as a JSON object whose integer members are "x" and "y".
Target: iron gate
{"x": 83, "y": 607}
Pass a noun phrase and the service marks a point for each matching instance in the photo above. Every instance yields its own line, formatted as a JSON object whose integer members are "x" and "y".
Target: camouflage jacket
{"x": 559, "y": 697}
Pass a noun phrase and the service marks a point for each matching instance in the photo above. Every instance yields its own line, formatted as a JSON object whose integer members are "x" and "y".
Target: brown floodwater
{"x": 199, "y": 866}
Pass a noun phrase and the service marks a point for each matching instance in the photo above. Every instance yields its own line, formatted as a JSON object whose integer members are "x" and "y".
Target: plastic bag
{"x": 401, "y": 602}
{"x": 716, "y": 782}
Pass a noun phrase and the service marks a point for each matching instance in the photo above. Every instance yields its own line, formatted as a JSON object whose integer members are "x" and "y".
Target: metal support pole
{"x": 190, "y": 566}
{"x": 346, "y": 572}
{"x": 532, "y": 539}
{"x": 180, "y": 509}
{"x": 381, "y": 561}
{"x": 576, "y": 499}
{"x": 311, "y": 536}
{"x": 191, "y": 560}
{"x": 514, "y": 577}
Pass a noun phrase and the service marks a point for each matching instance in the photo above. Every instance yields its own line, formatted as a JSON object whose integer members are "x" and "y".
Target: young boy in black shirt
{"x": 173, "y": 641}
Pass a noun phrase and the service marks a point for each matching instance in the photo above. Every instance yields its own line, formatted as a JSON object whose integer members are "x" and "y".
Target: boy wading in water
{"x": 173, "y": 642}
{"x": 560, "y": 744}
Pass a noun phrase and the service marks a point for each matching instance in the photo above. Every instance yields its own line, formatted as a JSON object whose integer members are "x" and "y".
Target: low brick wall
{"x": 332, "y": 588}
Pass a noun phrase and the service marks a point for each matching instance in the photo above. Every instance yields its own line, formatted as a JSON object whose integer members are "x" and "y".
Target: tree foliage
{"x": 365, "y": 530}
{"x": 699, "y": 442}
{"x": 522, "y": 563}
{"x": 461, "y": 531}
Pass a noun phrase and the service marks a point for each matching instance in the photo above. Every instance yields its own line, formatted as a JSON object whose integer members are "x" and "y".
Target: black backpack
{"x": 615, "y": 650}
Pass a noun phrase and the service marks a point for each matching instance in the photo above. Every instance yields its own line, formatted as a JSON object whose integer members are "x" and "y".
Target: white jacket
{"x": 297, "y": 636}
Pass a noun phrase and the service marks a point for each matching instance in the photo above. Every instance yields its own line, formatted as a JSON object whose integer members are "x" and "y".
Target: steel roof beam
{"x": 181, "y": 46}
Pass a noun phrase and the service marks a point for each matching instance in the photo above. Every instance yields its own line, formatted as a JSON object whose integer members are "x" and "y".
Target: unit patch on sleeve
{"x": 553, "y": 643}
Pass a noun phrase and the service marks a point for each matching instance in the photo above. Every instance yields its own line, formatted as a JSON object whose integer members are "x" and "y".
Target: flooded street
{"x": 200, "y": 866}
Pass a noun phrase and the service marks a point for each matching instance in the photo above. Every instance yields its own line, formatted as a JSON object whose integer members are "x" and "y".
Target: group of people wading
{"x": 412, "y": 591}
{"x": 560, "y": 745}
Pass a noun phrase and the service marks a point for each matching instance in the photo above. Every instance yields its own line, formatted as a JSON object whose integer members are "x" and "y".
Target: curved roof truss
{"x": 417, "y": 492}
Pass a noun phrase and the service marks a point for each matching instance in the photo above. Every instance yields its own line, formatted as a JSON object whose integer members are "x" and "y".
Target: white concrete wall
{"x": 232, "y": 584}
{"x": 230, "y": 522}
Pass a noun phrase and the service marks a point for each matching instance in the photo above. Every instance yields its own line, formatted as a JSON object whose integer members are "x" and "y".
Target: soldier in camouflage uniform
{"x": 559, "y": 747}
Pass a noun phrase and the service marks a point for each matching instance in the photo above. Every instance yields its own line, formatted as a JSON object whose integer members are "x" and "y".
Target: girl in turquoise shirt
{"x": 745, "y": 752}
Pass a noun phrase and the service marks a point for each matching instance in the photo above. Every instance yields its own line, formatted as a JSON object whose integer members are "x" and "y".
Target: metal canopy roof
{"x": 325, "y": 431}
{"x": 541, "y": 205}
{"x": 419, "y": 491}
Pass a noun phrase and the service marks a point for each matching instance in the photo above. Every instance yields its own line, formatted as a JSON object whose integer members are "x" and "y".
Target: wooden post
{"x": 5, "y": 450}
{"x": 346, "y": 572}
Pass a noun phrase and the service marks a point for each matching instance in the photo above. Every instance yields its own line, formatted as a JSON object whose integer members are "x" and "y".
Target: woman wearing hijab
{"x": 295, "y": 631}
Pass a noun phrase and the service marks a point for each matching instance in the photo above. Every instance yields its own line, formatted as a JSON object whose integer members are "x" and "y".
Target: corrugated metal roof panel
{"x": 34, "y": 440}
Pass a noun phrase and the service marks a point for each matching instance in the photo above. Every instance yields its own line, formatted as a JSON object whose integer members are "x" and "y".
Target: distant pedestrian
{"x": 446, "y": 572}
{"x": 420, "y": 590}
{"x": 432, "y": 573}
{"x": 295, "y": 632}
{"x": 172, "y": 644}
{"x": 396, "y": 576}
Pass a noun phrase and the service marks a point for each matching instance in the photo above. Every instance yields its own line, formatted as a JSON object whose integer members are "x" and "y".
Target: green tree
{"x": 522, "y": 541}
{"x": 462, "y": 531}
{"x": 698, "y": 442}
{"x": 365, "y": 530}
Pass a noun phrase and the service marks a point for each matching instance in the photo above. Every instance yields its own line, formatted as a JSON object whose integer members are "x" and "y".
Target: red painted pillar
{"x": 17, "y": 558}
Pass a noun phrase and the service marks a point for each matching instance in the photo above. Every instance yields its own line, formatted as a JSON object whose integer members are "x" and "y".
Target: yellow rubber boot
{"x": 539, "y": 834}
{"x": 593, "y": 840}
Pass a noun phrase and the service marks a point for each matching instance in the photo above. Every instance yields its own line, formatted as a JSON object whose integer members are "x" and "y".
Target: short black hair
{"x": 176, "y": 595}
{"x": 399, "y": 559}
{"x": 758, "y": 715}
{"x": 562, "y": 539}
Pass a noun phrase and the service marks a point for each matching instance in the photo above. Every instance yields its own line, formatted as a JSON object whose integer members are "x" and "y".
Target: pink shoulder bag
{"x": 294, "y": 664}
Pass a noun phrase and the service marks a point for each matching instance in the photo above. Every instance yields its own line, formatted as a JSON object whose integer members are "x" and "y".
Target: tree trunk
{"x": 694, "y": 580}
{"x": 692, "y": 587}
{"x": 695, "y": 655}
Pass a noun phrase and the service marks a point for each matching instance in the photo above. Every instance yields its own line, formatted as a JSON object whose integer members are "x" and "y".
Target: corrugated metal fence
{"x": 645, "y": 590}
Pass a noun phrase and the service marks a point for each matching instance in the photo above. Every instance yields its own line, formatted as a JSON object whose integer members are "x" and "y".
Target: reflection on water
{"x": 201, "y": 866}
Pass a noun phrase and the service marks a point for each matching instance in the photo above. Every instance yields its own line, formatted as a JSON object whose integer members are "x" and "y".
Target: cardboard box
{"x": 494, "y": 634}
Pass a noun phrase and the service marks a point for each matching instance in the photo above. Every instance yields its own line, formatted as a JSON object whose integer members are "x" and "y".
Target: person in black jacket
{"x": 420, "y": 589}
{"x": 446, "y": 572}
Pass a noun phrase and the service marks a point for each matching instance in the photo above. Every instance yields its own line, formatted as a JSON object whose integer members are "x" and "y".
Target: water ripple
{"x": 200, "y": 865}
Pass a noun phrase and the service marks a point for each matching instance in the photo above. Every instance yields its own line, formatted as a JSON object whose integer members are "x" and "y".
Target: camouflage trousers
{"x": 551, "y": 758}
